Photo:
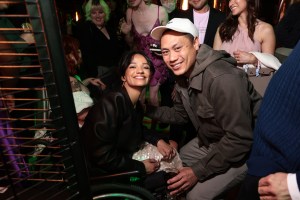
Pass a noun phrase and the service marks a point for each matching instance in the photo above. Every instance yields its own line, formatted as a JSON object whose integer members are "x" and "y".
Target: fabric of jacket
{"x": 216, "y": 17}
{"x": 287, "y": 30}
{"x": 222, "y": 104}
{"x": 112, "y": 132}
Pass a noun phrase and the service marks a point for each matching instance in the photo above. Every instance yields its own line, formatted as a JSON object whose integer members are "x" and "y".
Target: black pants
{"x": 249, "y": 188}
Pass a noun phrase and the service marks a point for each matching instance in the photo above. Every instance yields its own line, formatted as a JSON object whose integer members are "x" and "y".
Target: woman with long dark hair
{"x": 243, "y": 33}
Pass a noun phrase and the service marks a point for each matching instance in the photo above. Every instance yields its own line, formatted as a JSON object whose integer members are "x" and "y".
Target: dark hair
{"x": 71, "y": 46}
{"x": 229, "y": 27}
{"x": 127, "y": 58}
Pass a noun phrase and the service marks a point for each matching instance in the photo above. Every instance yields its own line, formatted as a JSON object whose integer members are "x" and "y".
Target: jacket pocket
{"x": 205, "y": 112}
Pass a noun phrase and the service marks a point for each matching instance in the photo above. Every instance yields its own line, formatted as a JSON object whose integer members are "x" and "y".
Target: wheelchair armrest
{"x": 124, "y": 177}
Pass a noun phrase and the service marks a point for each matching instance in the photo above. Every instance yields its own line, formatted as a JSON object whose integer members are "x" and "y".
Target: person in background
{"x": 205, "y": 18}
{"x": 9, "y": 146}
{"x": 169, "y": 5}
{"x": 243, "y": 33}
{"x": 208, "y": 89}
{"x": 23, "y": 43}
{"x": 81, "y": 93}
{"x": 117, "y": 12}
{"x": 99, "y": 45}
{"x": 141, "y": 18}
{"x": 274, "y": 163}
{"x": 287, "y": 30}
{"x": 109, "y": 146}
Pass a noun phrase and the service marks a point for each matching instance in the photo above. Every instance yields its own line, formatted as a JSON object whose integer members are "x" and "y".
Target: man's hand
{"x": 183, "y": 181}
{"x": 166, "y": 150}
{"x": 274, "y": 187}
{"x": 97, "y": 82}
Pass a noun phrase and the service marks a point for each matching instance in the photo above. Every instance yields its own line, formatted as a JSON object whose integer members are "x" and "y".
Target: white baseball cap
{"x": 182, "y": 25}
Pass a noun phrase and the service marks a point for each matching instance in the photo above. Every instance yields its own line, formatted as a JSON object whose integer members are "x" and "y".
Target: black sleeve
{"x": 152, "y": 136}
{"x": 288, "y": 29}
{"x": 99, "y": 134}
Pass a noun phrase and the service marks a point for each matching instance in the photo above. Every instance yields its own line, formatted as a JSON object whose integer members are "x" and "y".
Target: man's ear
{"x": 196, "y": 43}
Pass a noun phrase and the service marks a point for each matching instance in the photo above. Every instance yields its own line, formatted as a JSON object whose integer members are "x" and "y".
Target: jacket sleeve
{"x": 288, "y": 29}
{"x": 173, "y": 115}
{"x": 152, "y": 136}
{"x": 89, "y": 55}
{"x": 232, "y": 109}
{"x": 100, "y": 131}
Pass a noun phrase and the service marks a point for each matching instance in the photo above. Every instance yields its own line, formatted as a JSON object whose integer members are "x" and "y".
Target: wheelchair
{"x": 129, "y": 186}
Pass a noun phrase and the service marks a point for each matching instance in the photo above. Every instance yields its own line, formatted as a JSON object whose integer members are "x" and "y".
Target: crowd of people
{"x": 213, "y": 77}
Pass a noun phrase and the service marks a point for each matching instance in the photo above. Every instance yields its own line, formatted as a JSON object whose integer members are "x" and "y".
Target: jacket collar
{"x": 205, "y": 56}
{"x": 124, "y": 92}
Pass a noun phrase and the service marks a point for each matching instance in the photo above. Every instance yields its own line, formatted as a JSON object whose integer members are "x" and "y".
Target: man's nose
{"x": 172, "y": 55}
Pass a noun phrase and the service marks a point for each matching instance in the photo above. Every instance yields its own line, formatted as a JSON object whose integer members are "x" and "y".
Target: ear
{"x": 123, "y": 78}
{"x": 196, "y": 43}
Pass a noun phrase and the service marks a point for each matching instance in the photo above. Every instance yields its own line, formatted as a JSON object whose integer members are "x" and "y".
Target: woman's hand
{"x": 94, "y": 81}
{"x": 166, "y": 150}
{"x": 243, "y": 57}
{"x": 124, "y": 27}
{"x": 151, "y": 165}
{"x": 98, "y": 82}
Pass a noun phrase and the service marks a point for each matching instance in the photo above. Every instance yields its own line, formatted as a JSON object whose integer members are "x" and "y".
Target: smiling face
{"x": 238, "y": 6}
{"x": 179, "y": 52}
{"x": 138, "y": 73}
{"x": 98, "y": 16}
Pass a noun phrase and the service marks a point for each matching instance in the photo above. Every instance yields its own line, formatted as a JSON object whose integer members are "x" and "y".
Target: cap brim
{"x": 157, "y": 32}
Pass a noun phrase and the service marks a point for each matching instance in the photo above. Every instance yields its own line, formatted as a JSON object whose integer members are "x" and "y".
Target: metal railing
{"x": 40, "y": 155}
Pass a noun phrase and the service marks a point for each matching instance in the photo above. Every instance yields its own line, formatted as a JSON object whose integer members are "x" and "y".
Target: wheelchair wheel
{"x": 120, "y": 191}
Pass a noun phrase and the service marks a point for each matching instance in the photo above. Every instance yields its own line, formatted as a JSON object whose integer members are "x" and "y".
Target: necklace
{"x": 100, "y": 27}
{"x": 140, "y": 12}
